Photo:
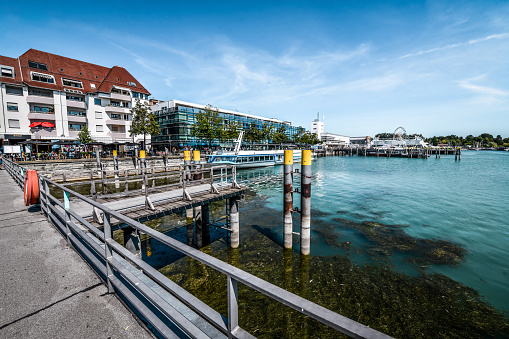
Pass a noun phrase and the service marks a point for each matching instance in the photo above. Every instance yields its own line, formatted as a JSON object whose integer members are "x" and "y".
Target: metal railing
{"x": 105, "y": 255}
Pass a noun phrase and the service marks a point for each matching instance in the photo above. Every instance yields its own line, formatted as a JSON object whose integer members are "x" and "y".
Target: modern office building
{"x": 331, "y": 139}
{"x": 49, "y": 97}
{"x": 176, "y": 118}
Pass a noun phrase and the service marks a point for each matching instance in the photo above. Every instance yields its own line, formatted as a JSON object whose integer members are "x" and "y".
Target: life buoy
{"x": 31, "y": 188}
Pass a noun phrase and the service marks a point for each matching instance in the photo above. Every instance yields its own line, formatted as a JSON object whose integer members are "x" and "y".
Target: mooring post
{"x": 126, "y": 183}
{"x": 198, "y": 222}
{"x": 205, "y": 220}
{"x": 288, "y": 199}
{"x": 190, "y": 225}
{"x": 197, "y": 166}
{"x": 187, "y": 164}
{"x": 92, "y": 183}
{"x": 143, "y": 169}
{"x": 459, "y": 153}
{"x": 98, "y": 157}
{"x": 305, "y": 203}
{"x": 234, "y": 223}
{"x": 132, "y": 241}
{"x": 115, "y": 168}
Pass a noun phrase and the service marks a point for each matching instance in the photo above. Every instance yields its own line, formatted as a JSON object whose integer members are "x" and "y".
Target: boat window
{"x": 250, "y": 159}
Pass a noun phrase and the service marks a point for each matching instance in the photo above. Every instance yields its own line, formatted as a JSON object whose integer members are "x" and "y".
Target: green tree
{"x": 208, "y": 126}
{"x": 309, "y": 139}
{"x": 279, "y": 135}
{"x": 253, "y": 134}
{"x": 267, "y": 133}
{"x": 144, "y": 122}
{"x": 84, "y": 136}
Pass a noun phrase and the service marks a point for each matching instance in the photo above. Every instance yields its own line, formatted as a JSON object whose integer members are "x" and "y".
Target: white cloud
{"x": 470, "y": 42}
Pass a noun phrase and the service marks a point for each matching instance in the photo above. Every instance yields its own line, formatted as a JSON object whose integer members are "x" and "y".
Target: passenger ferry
{"x": 245, "y": 159}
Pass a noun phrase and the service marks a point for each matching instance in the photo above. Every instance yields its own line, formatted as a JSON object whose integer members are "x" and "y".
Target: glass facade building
{"x": 175, "y": 118}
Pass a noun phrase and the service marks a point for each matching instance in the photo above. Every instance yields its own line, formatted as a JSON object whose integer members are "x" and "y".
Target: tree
{"x": 208, "y": 126}
{"x": 279, "y": 135}
{"x": 253, "y": 134}
{"x": 267, "y": 133}
{"x": 84, "y": 136}
{"x": 144, "y": 122}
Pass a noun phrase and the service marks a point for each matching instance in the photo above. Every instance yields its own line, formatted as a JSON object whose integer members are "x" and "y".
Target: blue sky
{"x": 433, "y": 67}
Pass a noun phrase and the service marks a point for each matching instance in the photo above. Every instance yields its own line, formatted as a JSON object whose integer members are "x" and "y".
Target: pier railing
{"x": 115, "y": 264}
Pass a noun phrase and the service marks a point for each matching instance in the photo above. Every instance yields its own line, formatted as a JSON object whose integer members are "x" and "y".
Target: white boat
{"x": 245, "y": 159}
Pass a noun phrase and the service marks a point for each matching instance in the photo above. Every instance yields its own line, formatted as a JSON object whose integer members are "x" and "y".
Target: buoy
{"x": 31, "y": 188}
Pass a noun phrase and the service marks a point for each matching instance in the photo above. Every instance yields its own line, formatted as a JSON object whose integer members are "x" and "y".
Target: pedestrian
{"x": 1, "y": 157}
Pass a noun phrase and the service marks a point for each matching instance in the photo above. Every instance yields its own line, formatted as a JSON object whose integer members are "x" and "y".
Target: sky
{"x": 365, "y": 67}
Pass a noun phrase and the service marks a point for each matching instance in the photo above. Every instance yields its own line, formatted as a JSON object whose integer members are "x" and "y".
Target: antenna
{"x": 318, "y": 116}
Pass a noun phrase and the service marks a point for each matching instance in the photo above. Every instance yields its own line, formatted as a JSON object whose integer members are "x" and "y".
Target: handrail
{"x": 233, "y": 274}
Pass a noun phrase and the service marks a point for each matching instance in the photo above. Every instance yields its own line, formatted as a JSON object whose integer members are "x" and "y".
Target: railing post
{"x": 126, "y": 182}
{"x": 67, "y": 207}
{"x": 46, "y": 197}
{"x": 107, "y": 251}
{"x": 115, "y": 168}
{"x": 92, "y": 183}
{"x": 233, "y": 306}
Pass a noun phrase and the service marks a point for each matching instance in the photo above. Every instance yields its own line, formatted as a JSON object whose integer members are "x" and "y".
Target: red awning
{"x": 47, "y": 124}
{"x": 33, "y": 124}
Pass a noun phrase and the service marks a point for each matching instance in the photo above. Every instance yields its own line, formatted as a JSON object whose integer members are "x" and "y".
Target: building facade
{"x": 176, "y": 118}
{"x": 317, "y": 127}
{"x": 49, "y": 97}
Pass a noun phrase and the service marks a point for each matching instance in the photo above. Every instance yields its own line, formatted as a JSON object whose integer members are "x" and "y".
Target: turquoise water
{"x": 463, "y": 202}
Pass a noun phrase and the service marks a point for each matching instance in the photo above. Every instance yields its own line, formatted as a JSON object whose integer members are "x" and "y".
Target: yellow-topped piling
{"x": 196, "y": 156}
{"x": 187, "y": 155}
{"x": 142, "y": 154}
{"x": 114, "y": 152}
{"x": 306, "y": 157}
{"x": 288, "y": 157}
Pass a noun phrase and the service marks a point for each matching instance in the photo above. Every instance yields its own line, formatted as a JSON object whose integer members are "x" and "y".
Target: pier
{"x": 166, "y": 308}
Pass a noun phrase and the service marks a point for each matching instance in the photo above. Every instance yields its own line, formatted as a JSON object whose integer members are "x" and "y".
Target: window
{"x": 61, "y": 69}
{"x": 74, "y": 97}
{"x": 97, "y": 101}
{"x": 11, "y": 106}
{"x": 33, "y": 64}
{"x": 130, "y": 83}
{"x": 116, "y": 117}
{"x": 40, "y": 109}
{"x": 75, "y": 127}
{"x": 98, "y": 115}
{"x": 14, "y": 90}
{"x": 40, "y": 92}
{"x": 81, "y": 73}
{"x": 99, "y": 128}
{"x": 92, "y": 85}
{"x": 96, "y": 77}
{"x": 118, "y": 129}
{"x": 72, "y": 83}
{"x": 77, "y": 113}
{"x": 7, "y": 72}
{"x": 135, "y": 94}
{"x": 43, "y": 77}
{"x": 13, "y": 123}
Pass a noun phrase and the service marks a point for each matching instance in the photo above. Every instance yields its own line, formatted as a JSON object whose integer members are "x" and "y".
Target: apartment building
{"x": 50, "y": 97}
{"x": 176, "y": 117}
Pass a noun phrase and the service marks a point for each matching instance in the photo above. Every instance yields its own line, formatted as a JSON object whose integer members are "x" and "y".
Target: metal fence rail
{"x": 104, "y": 253}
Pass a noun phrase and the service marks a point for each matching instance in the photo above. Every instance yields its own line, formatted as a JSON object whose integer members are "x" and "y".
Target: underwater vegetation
{"x": 426, "y": 305}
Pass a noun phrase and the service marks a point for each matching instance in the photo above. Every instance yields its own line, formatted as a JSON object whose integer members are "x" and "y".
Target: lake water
{"x": 464, "y": 202}
{"x": 410, "y": 247}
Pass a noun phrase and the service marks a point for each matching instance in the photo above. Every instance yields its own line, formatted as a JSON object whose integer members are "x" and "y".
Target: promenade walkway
{"x": 46, "y": 289}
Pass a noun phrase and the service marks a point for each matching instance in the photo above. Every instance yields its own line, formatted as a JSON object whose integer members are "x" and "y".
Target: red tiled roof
{"x": 13, "y": 63}
{"x": 61, "y": 67}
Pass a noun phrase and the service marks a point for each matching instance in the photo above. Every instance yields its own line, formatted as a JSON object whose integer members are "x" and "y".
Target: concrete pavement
{"x": 46, "y": 288}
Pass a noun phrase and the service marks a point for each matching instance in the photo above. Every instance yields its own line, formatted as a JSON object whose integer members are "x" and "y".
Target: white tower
{"x": 317, "y": 126}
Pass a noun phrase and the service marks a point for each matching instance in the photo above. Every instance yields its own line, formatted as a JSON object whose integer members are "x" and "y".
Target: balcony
{"x": 116, "y": 122}
{"x": 76, "y": 104}
{"x": 35, "y": 99}
{"x": 76, "y": 118}
{"x": 118, "y": 135}
{"x": 41, "y": 116}
{"x": 123, "y": 97}
{"x": 116, "y": 109}
{"x": 74, "y": 134}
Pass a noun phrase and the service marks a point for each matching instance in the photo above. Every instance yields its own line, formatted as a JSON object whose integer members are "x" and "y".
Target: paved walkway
{"x": 46, "y": 289}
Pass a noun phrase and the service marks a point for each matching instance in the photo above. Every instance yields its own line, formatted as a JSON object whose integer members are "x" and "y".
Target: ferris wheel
{"x": 399, "y": 135}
